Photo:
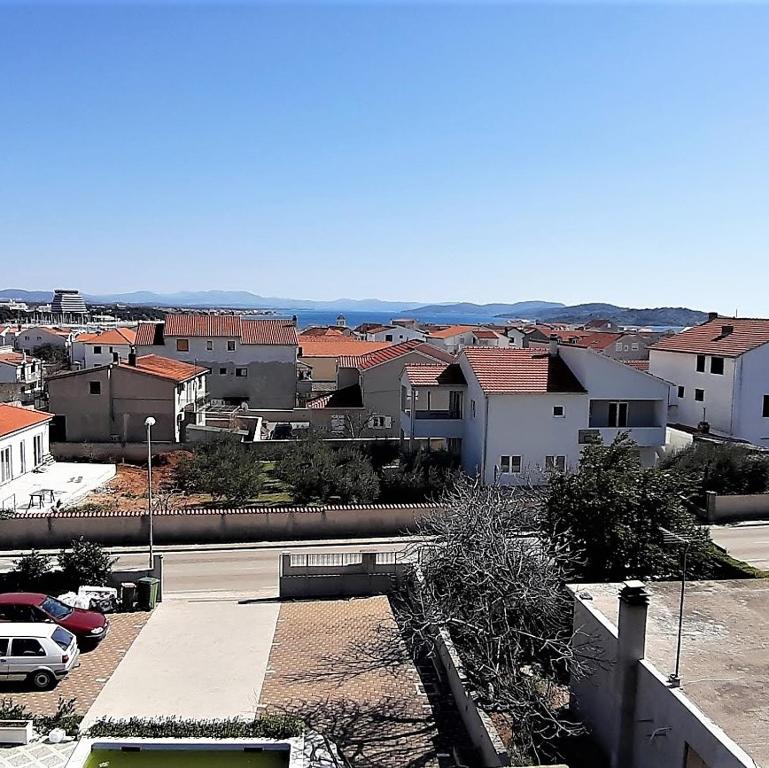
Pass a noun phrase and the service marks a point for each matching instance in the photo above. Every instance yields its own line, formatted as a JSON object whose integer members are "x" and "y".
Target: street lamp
{"x": 670, "y": 539}
{"x": 149, "y": 423}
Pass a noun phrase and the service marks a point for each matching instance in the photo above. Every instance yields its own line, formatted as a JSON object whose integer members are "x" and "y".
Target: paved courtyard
{"x": 198, "y": 657}
{"x": 36, "y": 755}
{"x": 85, "y": 682}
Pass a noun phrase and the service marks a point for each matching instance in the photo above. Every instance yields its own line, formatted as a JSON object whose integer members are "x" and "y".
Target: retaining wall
{"x": 729, "y": 509}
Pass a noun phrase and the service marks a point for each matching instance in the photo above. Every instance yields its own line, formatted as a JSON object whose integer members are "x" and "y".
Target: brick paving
{"x": 86, "y": 681}
{"x": 342, "y": 665}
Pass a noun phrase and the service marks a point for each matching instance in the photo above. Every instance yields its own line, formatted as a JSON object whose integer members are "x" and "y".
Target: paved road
{"x": 744, "y": 542}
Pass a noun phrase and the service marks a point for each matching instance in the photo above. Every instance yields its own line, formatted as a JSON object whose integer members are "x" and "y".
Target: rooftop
{"x": 13, "y": 418}
{"x": 520, "y": 371}
{"x": 14, "y": 358}
{"x": 725, "y": 650}
{"x": 434, "y": 374}
{"x": 347, "y": 397}
{"x": 248, "y": 330}
{"x": 393, "y": 352}
{"x": 165, "y": 368}
{"x": 723, "y": 336}
{"x": 113, "y": 336}
{"x": 452, "y": 330}
{"x": 324, "y": 346}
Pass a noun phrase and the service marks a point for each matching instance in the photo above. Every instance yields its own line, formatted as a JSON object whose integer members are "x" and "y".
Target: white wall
{"x": 91, "y": 359}
{"x": 398, "y": 334}
{"x": 751, "y": 385}
{"x": 243, "y": 353}
{"x": 33, "y": 337}
{"x": 25, "y": 437}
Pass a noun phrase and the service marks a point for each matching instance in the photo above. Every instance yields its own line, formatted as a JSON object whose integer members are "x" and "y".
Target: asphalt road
{"x": 744, "y": 542}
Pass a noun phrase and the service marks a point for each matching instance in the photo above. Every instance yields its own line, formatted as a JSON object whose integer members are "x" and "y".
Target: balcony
{"x": 446, "y": 424}
{"x": 200, "y": 403}
{"x": 644, "y": 437}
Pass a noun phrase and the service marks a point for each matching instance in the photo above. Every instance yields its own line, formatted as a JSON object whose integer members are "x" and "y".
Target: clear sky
{"x": 415, "y": 152}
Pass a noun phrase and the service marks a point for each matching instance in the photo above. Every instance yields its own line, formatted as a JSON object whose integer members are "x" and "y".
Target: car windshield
{"x": 62, "y": 638}
{"x": 56, "y": 608}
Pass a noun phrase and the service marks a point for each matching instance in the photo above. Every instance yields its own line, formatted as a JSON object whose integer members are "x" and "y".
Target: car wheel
{"x": 42, "y": 680}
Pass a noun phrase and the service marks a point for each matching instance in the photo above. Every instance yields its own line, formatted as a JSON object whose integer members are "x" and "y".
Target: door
{"x": 26, "y": 656}
{"x": 22, "y": 457}
{"x": 4, "y": 642}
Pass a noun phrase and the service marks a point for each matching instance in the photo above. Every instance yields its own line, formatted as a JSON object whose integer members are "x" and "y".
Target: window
{"x": 37, "y": 449}
{"x": 699, "y": 395}
{"x": 681, "y": 391}
{"x": 222, "y": 371}
{"x": 701, "y": 363}
{"x": 618, "y": 347}
{"x": 559, "y": 411}
{"x": 626, "y": 348}
{"x": 230, "y": 346}
{"x": 617, "y": 414}
{"x": 388, "y": 337}
{"x": 26, "y": 646}
{"x": 241, "y": 372}
{"x": 509, "y": 465}
{"x": 3, "y": 646}
{"x": 62, "y": 638}
{"x": 97, "y": 350}
{"x": 555, "y": 463}
{"x": 209, "y": 344}
{"x": 23, "y": 457}
{"x": 380, "y": 422}
{"x": 6, "y": 472}
{"x": 634, "y": 346}
{"x": 766, "y": 407}
{"x": 717, "y": 365}
{"x": 112, "y": 350}
{"x": 94, "y": 387}
{"x": 472, "y": 407}
{"x": 182, "y": 345}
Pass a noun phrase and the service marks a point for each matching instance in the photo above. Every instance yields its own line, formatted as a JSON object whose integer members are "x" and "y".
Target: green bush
{"x": 30, "y": 571}
{"x": 421, "y": 476}
{"x": 225, "y": 469}
{"x": 266, "y": 726}
{"x": 64, "y": 717}
{"x": 85, "y": 563}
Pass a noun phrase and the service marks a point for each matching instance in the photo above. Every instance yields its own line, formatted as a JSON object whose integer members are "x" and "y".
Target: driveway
{"x": 745, "y": 541}
{"x": 197, "y": 657}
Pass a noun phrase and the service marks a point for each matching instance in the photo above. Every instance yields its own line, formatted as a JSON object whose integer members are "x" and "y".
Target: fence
{"x": 729, "y": 509}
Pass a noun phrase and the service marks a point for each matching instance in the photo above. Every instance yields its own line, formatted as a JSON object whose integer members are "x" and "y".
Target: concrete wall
{"x": 212, "y": 526}
{"x": 111, "y": 452}
{"x": 23, "y": 441}
{"x": 729, "y": 509}
{"x": 665, "y": 720}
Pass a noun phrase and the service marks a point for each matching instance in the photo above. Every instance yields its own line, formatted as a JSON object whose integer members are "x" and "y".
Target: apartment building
{"x": 720, "y": 376}
{"x": 111, "y": 402}
{"x": 515, "y": 414}
{"x": 90, "y": 350}
{"x": 252, "y": 360}
{"x": 21, "y": 378}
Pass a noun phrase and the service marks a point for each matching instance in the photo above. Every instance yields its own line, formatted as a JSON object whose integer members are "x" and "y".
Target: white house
{"x": 452, "y": 338}
{"x": 29, "y": 339}
{"x": 720, "y": 376}
{"x": 21, "y": 377}
{"x": 23, "y": 440}
{"x": 394, "y": 333}
{"x": 90, "y": 350}
{"x": 514, "y": 414}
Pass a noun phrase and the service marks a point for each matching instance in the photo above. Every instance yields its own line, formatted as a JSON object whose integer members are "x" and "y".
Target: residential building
{"x": 24, "y": 443}
{"x": 632, "y": 345}
{"x": 111, "y": 402}
{"x": 90, "y": 350}
{"x": 21, "y": 378}
{"x": 451, "y": 338}
{"x": 488, "y": 337}
{"x": 526, "y": 336}
{"x": 372, "y": 381}
{"x": 524, "y": 412}
{"x": 321, "y": 353}
{"x": 640, "y": 714}
{"x": 251, "y": 360}
{"x": 68, "y": 305}
{"x": 720, "y": 376}
{"x": 35, "y": 336}
{"x": 394, "y": 334}
{"x": 601, "y": 324}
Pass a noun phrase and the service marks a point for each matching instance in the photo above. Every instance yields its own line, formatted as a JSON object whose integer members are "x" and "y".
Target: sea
{"x": 308, "y": 317}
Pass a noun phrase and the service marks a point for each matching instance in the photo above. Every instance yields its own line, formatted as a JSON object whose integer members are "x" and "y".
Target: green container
{"x": 148, "y": 592}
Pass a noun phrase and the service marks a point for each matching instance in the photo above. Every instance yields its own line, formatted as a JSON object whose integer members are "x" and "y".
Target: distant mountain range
{"x": 523, "y": 310}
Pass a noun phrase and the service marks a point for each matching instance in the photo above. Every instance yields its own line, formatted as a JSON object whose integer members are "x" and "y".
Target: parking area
{"x": 85, "y": 682}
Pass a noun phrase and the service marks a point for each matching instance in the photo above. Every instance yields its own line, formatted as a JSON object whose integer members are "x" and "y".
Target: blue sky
{"x": 417, "y": 152}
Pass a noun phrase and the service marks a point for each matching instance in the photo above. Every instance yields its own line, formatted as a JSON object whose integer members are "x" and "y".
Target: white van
{"x": 39, "y": 653}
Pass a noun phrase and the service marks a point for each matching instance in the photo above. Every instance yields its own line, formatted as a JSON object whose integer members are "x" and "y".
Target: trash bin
{"x": 128, "y": 595}
{"x": 148, "y": 592}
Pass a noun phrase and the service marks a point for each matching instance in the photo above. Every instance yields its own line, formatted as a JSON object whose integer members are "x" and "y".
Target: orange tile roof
{"x": 710, "y": 337}
{"x": 392, "y": 352}
{"x": 165, "y": 368}
{"x": 114, "y": 336}
{"x": 13, "y": 358}
{"x": 520, "y": 371}
{"x": 314, "y": 346}
{"x": 322, "y": 331}
{"x": 13, "y": 418}
{"x": 452, "y": 330}
{"x": 433, "y": 374}
{"x": 639, "y": 365}
{"x": 249, "y": 330}
{"x": 485, "y": 333}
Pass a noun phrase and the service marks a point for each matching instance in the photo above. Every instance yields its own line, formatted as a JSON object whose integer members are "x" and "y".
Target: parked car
{"x": 40, "y": 653}
{"x": 90, "y": 626}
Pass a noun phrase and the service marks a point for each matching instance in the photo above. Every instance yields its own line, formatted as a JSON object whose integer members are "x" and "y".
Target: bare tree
{"x": 499, "y": 588}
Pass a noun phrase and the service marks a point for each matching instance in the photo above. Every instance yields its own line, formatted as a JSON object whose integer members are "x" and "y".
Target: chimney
{"x": 726, "y": 330}
{"x": 712, "y": 316}
{"x": 631, "y": 648}
{"x": 132, "y": 356}
{"x": 552, "y": 346}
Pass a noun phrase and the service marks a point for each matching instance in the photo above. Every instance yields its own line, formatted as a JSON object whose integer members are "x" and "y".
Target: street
{"x": 748, "y": 542}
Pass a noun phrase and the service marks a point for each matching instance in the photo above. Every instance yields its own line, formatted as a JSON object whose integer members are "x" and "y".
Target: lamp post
{"x": 149, "y": 423}
{"x": 671, "y": 539}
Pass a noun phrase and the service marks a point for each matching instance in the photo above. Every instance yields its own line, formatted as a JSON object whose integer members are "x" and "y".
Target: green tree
{"x": 223, "y": 468}
{"x": 85, "y": 563}
{"x": 317, "y": 472}
{"x": 29, "y": 570}
{"x": 51, "y": 354}
{"x": 611, "y": 511}
{"x": 421, "y": 476}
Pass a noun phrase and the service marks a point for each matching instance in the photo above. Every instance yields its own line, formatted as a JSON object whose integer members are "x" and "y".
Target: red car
{"x": 91, "y": 626}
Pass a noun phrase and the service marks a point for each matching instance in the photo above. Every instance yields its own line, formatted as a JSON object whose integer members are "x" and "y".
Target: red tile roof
{"x": 393, "y": 352}
{"x": 323, "y": 346}
{"x": 116, "y": 336}
{"x": 433, "y": 374}
{"x": 165, "y": 368}
{"x": 485, "y": 333}
{"x": 248, "y": 330}
{"x": 520, "y": 371}
{"x": 452, "y": 330}
{"x": 713, "y": 337}
{"x": 14, "y": 418}
{"x": 13, "y": 358}
{"x": 321, "y": 331}
{"x": 592, "y": 339}
{"x": 639, "y": 365}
